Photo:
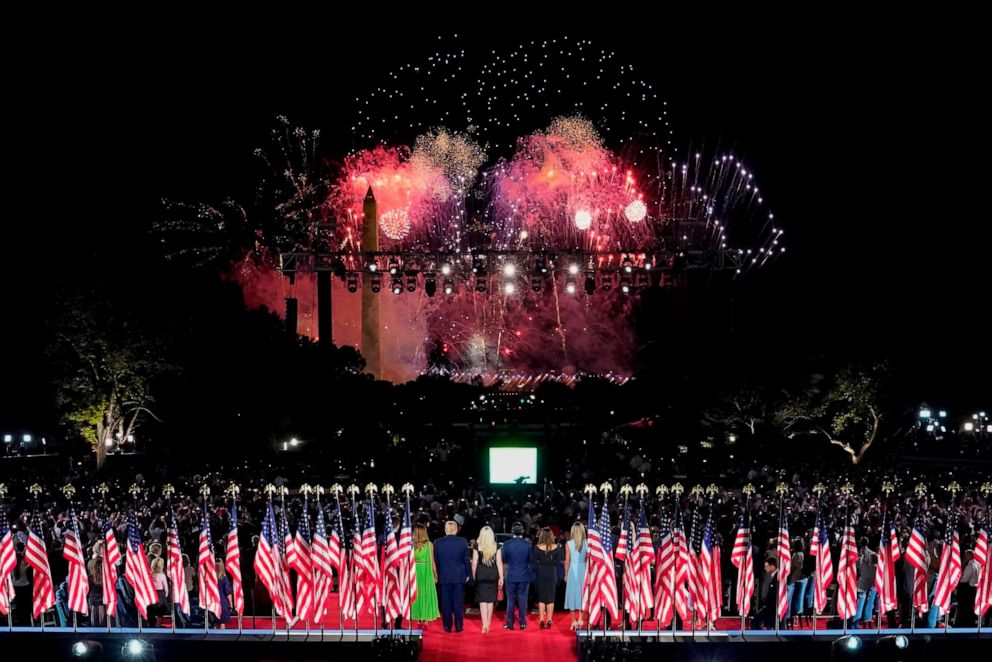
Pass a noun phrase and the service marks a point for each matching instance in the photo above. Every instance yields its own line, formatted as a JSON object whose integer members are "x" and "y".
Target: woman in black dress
{"x": 487, "y": 568}
{"x": 549, "y": 558}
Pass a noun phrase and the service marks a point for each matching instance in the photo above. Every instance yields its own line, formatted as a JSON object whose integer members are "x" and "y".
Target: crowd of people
{"x": 524, "y": 545}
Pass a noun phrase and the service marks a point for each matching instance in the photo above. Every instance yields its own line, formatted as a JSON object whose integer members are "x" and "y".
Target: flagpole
{"x": 606, "y": 488}
{"x": 748, "y": 490}
{"x": 35, "y": 490}
{"x": 846, "y": 490}
{"x": 953, "y": 487}
{"x": 985, "y": 489}
{"x": 661, "y": 492}
{"x": 781, "y": 489}
{"x": 677, "y": 493}
{"x": 696, "y": 492}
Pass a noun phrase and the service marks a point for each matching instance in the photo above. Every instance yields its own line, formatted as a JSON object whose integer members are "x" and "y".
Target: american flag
{"x": 949, "y": 572}
{"x": 664, "y": 572}
{"x": 111, "y": 559}
{"x": 207, "y": 570}
{"x": 408, "y": 568}
{"x": 694, "y": 578}
{"x": 631, "y": 564}
{"x": 983, "y": 597}
{"x": 601, "y": 578}
{"x": 368, "y": 580}
{"x": 784, "y": 553}
{"x": 644, "y": 549}
{"x": 268, "y": 565}
{"x": 174, "y": 565}
{"x": 36, "y": 556}
{"x": 391, "y": 593}
{"x": 323, "y": 577}
{"x": 918, "y": 557}
{"x": 72, "y": 551}
{"x": 847, "y": 574}
{"x": 819, "y": 547}
{"x": 709, "y": 574}
{"x": 285, "y": 548}
{"x": 743, "y": 559}
{"x": 136, "y": 571}
{"x": 301, "y": 561}
{"x": 232, "y": 561}
{"x": 885, "y": 568}
{"x": 8, "y": 562}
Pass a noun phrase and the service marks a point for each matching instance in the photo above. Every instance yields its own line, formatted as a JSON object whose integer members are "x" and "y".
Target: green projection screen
{"x": 513, "y": 465}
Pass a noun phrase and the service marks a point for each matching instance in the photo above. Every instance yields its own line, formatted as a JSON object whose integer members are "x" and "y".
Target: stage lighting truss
{"x": 513, "y": 271}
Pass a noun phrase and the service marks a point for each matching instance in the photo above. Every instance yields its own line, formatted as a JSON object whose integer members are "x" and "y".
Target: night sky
{"x": 867, "y": 144}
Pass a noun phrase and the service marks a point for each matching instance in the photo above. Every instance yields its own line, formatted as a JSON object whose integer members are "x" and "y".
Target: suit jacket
{"x": 454, "y": 565}
{"x": 518, "y": 557}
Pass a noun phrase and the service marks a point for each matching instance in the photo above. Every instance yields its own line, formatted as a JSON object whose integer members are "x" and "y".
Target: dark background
{"x": 868, "y": 138}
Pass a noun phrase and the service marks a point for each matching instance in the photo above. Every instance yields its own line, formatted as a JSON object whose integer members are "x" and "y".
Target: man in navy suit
{"x": 518, "y": 559}
{"x": 454, "y": 569}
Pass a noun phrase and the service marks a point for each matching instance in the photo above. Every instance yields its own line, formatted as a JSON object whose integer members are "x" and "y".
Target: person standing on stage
{"x": 454, "y": 570}
{"x": 518, "y": 563}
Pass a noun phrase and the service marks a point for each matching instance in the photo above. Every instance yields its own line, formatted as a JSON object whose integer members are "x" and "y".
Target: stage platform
{"x": 193, "y": 645}
{"x": 763, "y": 645}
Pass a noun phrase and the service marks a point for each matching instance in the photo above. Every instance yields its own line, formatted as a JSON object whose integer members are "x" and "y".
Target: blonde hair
{"x": 420, "y": 538}
{"x": 578, "y": 536}
{"x": 486, "y": 543}
{"x": 158, "y": 565}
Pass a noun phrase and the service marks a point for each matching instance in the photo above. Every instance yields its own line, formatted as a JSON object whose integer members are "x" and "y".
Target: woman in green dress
{"x": 425, "y": 606}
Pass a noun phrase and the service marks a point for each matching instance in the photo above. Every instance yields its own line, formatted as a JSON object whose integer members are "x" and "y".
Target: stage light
{"x": 510, "y": 270}
{"x": 509, "y": 288}
{"x": 394, "y": 266}
{"x": 135, "y": 648}
{"x": 352, "y": 282}
{"x": 411, "y": 281}
{"x": 590, "y": 285}
{"x": 850, "y": 643}
{"x": 430, "y": 283}
{"x": 449, "y": 287}
{"x": 376, "y": 283}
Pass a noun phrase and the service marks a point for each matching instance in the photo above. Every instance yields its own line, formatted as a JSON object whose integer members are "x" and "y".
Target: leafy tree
{"x": 847, "y": 410}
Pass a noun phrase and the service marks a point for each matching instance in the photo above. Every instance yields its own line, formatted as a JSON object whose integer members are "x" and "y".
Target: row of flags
{"x": 685, "y": 580}
{"x": 688, "y": 582}
{"x": 368, "y": 578}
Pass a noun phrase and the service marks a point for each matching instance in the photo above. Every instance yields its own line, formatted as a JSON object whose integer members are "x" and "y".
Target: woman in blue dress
{"x": 575, "y": 562}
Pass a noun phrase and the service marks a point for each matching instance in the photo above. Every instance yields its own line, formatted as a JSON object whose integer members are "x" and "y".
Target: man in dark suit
{"x": 454, "y": 569}
{"x": 767, "y": 596}
{"x": 518, "y": 558}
